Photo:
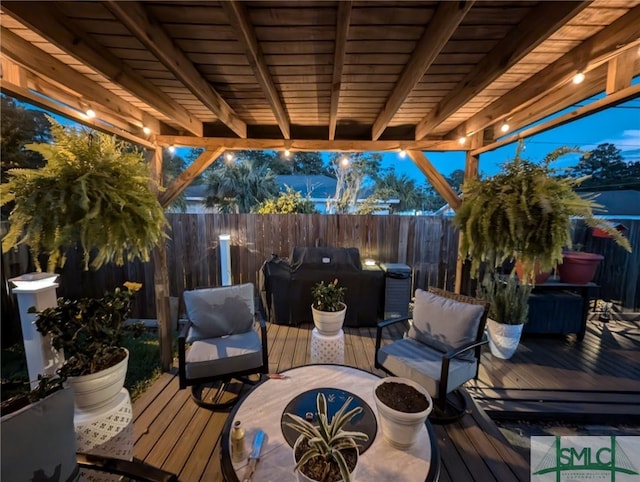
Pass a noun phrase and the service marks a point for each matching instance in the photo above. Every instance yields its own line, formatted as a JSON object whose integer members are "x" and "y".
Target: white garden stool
{"x": 107, "y": 431}
{"x": 327, "y": 348}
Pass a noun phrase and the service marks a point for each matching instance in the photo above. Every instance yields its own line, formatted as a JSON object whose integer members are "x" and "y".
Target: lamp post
{"x": 225, "y": 259}
{"x": 37, "y": 290}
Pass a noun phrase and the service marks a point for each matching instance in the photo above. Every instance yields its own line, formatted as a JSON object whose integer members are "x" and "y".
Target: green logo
{"x": 585, "y": 458}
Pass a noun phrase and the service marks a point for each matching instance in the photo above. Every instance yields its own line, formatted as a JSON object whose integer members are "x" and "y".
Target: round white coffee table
{"x": 262, "y": 409}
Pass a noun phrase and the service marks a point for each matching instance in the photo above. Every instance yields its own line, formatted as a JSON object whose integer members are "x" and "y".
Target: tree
{"x": 239, "y": 185}
{"x": 606, "y": 168}
{"x": 172, "y": 166}
{"x": 288, "y": 202}
{"x": 402, "y": 187}
{"x": 352, "y": 173}
{"x": 20, "y": 126}
{"x": 433, "y": 199}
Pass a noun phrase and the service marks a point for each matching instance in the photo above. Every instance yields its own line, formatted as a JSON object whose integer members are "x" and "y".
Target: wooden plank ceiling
{"x": 357, "y": 71}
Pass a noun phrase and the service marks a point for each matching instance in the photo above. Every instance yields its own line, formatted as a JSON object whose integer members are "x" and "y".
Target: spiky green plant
{"x": 327, "y": 440}
{"x": 94, "y": 193}
{"x": 508, "y": 298}
{"x": 525, "y": 212}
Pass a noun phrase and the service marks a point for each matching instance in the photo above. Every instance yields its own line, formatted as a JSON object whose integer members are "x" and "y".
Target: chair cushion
{"x": 216, "y": 312}
{"x": 443, "y": 323}
{"x": 418, "y": 362}
{"x": 229, "y": 354}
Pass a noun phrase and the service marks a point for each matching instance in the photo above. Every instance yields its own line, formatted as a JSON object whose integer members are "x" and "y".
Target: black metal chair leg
{"x": 216, "y": 404}
{"x": 448, "y": 409}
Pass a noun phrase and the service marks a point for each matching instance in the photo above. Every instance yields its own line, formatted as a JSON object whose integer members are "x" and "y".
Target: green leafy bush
{"x": 288, "y": 202}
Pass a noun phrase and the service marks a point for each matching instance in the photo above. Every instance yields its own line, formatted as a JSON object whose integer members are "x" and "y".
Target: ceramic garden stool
{"x": 327, "y": 349}
{"x": 107, "y": 431}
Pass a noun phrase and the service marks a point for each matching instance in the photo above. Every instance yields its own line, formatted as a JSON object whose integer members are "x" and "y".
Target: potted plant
{"x": 94, "y": 193}
{"x": 326, "y": 452}
{"x": 90, "y": 332}
{"x": 524, "y": 212}
{"x": 403, "y": 407}
{"x": 328, "y": 307}
{"x": 507, "y": 314}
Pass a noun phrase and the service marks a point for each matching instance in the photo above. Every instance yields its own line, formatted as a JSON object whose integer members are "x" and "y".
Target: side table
{"x": 327, "y": 348}
{"x": 106, "y": 431}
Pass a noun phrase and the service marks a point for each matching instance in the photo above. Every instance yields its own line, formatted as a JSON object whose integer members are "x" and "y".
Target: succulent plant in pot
{"x": 328, "y": 307}
{"x": 90, "y": 333}
{"x": 326, "y": 452}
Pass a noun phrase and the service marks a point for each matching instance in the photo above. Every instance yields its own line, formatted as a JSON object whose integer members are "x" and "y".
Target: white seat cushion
{"x": 228, "y": 354}
{"x": 411, "y": 359}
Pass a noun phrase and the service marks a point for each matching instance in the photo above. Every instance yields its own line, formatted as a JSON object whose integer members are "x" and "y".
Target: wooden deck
{"x": 173, "y": 433}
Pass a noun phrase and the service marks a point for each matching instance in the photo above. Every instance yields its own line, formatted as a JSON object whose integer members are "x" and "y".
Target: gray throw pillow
{"x": 443, "y": 323}
{"x": 216, "y": 312}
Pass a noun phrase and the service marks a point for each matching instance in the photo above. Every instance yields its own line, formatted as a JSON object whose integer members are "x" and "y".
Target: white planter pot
{"x": 98, "y": 389}
{"x": 503, "y": 339}
{"x": 329, "y": 323}
{"x": 304, "y": 478}
{"x": 401, "y": 429}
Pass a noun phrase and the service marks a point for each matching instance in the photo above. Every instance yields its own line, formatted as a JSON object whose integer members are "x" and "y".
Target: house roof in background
{"x": 617, "y": 203}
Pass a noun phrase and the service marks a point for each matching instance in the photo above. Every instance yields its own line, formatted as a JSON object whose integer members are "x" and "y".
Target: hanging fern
{"x": 525, "y": 212}
{"x": 94, "y": 193}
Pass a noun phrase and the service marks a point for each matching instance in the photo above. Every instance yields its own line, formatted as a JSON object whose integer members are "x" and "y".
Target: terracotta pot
{"x": 541, "y": 276}
{"x": 578, "y": 267}
{"x": 329, "y": 323}
{"x": 401, "y": 429}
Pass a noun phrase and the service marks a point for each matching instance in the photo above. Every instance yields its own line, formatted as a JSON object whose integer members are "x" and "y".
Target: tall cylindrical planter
{"x": 401, "y": 429}
{"x": 98, "y": 389}
{"x": 329, "y": 323}
{"x": 503, "y": 338}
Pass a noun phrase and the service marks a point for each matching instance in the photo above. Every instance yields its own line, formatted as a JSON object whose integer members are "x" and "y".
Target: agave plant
{"x": 327, "y": 440}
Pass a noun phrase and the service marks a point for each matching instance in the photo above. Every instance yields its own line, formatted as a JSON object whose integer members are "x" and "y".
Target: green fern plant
{"x": 94, "y": 193}
{"x": 327, "y": 441}
{"x": 525, "y": 212}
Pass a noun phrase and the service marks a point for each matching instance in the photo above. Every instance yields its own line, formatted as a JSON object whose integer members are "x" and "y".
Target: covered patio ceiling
{"x": 298, "y": 75}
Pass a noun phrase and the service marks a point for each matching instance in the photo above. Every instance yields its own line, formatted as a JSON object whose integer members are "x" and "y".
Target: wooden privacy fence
{"x": 428, "y": 244}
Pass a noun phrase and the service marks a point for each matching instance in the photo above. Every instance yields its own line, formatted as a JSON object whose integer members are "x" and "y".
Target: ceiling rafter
{"x": 151, "y": 34}
{"x": 618, "y": 97}
{"x": 342, "y": 32}
{"x": 534, "y": 29}
{"x": 442, "y": 25}
{"x": 196, "y": 168}
{"x": 620, "y": 71}
{"x": 599, "y": 48}
{"x": 239, "y": 18}
{"x": 436, "y": 179}
{"x": 48, "y": 67}
{"x": 48, "y": 22}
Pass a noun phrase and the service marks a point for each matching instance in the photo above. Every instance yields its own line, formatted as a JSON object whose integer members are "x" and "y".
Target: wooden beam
{"x": 342, "y": 32}
{"x": 50, "y": 23}
{"x": 442, "y": 25}
{"x": 309, "y": 145}
{"x": 621, "y": 34}
{"x": 31, "y": 97}
{"x": 534, "y": 29}
{"x": 196, "y": 168}
{"x": 619, "y": 97}
{"x": 620, "y": 71}
{"x": 239, "y": 18}
{"x": 56, "y": 72}
{"x": 435, "y": 178}
{"x": 151, "y": 34}
{"x": 470, "y": 172}
{"x": 161, "y": 275}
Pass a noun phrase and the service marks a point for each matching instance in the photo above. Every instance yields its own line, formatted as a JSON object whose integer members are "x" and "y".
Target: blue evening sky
{"x": 618, "y": 125}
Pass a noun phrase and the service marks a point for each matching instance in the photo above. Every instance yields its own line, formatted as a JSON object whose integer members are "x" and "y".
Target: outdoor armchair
{"x": 441, "y": 350}
{"x": 225, "y": 343}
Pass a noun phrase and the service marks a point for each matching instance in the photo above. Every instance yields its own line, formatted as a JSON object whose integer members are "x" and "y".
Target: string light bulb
{"x": 462, "y": 140}
{"x": 344, "y": 162}
{"x": 146, "y": 130}
{"x": 578, "y": 78}
{"x": 90, "y": 113}
{"x": 504, "y": 127}
{"x": 287, "y": 153}
{"x": 228, "y": 156}
{"x": 403, "y": 153}
{"x": 172, "y": 149}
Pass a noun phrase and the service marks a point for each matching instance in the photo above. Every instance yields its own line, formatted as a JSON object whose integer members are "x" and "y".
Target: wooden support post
{"x": 161, "y": 277}
{"x": 470, "y": 172}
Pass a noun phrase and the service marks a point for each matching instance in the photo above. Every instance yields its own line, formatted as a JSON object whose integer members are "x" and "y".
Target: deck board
{"x": 171, "y": 432}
